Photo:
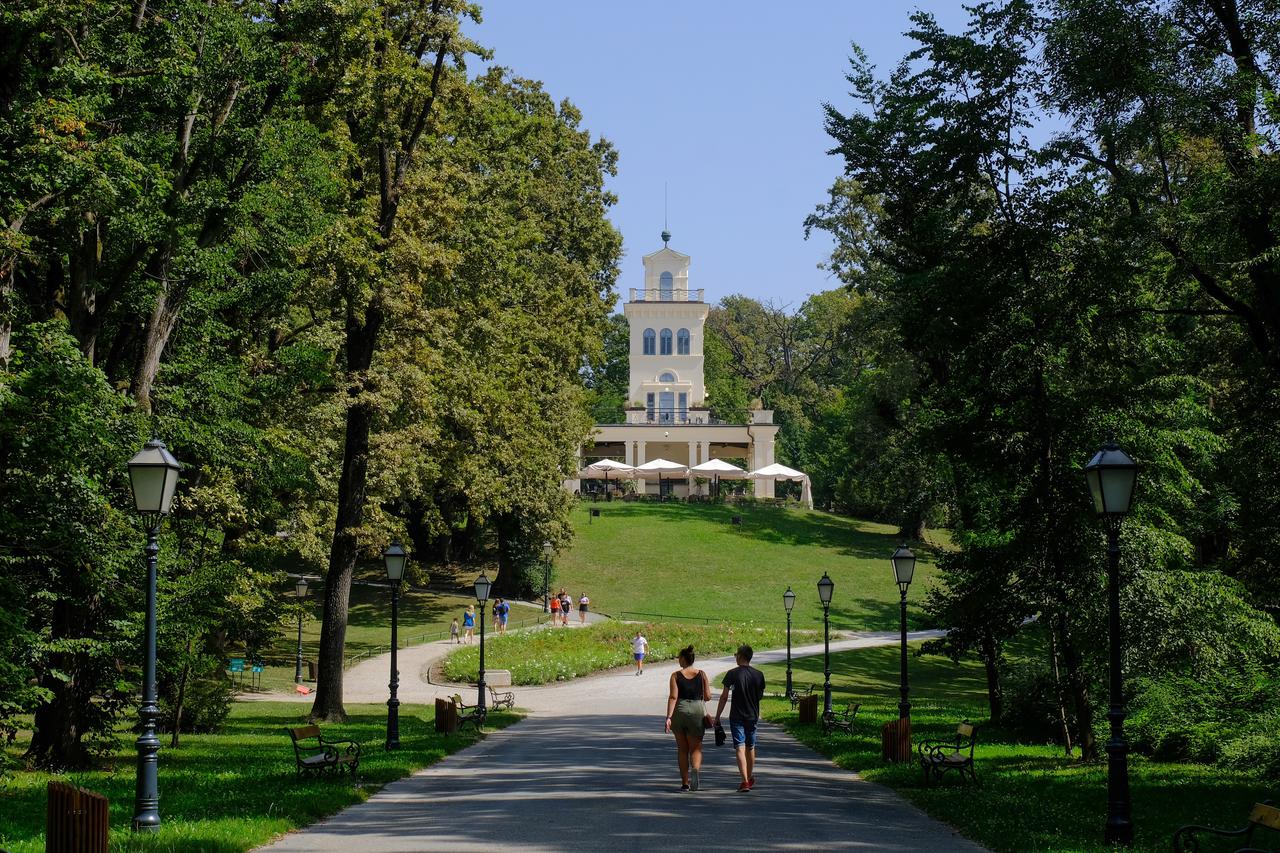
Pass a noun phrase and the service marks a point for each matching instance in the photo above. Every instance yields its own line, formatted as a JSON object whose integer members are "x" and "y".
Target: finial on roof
{"x": 666, "y": 237}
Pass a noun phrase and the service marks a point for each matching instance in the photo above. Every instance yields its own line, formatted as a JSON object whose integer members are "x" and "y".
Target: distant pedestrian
{"x": 555, "y": 610}
{"x": 453, "y": 631}
{"x": 469, "y": 622}
{"x": 687, "y": 717}
{"x": 747, "y": 684}
{"x": 639, "y": 648}
{"x": 566, "y": 604}
{"x": 583, "y": 604}
{"x": 500, "y": 613}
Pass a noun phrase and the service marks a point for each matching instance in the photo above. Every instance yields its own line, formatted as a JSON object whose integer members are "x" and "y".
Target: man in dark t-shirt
{"x": 747, "y": 684}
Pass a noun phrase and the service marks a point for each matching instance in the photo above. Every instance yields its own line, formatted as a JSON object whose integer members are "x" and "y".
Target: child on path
{"x": 555, "y": 610}
{"x": 469, "y": 622}
{"x": 566, "y": 604}
{"x": 500, "y": 611}
{"x": 583, "y": 604}
{"x": 639, "y": 648}
{"x": 453, "y": 632}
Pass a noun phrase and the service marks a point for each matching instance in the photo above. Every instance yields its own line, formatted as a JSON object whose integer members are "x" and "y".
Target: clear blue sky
{"x": 721, "y": 100}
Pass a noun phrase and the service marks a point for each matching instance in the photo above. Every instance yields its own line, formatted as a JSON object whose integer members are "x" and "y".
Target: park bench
{"x": 841, "y": 720}
{"x": 472, "y": 714}
{"x": 802, "y": 693}
{"x": 337, "y": 755}
{"x": 937, "y": 757}
{"x": 1265, "y": 816}
{"x": 499, "y": 701}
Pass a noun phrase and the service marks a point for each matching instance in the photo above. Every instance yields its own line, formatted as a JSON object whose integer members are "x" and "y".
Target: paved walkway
{"x": 591, "y": 769}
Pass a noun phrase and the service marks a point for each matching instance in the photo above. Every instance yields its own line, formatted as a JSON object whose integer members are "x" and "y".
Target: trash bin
{"x": 446, "y": 716}
{"x": 311, "y": 670}
{"x": 808, "y": 709}
{"x": 895, "y": 740}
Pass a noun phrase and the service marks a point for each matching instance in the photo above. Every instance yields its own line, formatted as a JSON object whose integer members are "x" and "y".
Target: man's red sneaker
{"x": 744, "y": 787}
{"x": 751, "y": 783}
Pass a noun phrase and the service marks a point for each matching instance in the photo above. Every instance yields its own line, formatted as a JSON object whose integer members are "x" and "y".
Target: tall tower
{"x": 666, "y": 319}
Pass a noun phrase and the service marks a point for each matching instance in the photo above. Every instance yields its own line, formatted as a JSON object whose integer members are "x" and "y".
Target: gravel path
{"x": 591, "y": 769}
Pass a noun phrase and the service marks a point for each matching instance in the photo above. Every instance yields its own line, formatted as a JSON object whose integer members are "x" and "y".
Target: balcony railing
{"x": 640, "y": 294}
{"x": 659, "y": 415}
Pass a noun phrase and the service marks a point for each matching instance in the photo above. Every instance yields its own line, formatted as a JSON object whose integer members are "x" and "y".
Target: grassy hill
{"x": 688, "y": 560}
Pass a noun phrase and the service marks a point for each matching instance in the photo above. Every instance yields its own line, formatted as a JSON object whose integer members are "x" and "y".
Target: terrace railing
{"x": 641, "y": 294}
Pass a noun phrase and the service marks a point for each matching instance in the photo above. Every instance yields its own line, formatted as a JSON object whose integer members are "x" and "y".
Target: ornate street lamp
{"x": 483, "y": 585}
{"x": 153, "y": 476}
{"x": 826, "y": 587}
{"x": 394, "y": 559}
{"x": 788, "y": 602}
{"x": 1111, "y": 475}
{"x": 300, "y": 590}
{"x": 904, "y": 566}
{"x": 548, "y": 551}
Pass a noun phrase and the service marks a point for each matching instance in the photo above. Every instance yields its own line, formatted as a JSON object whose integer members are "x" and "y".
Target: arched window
{"x": 666, "y": 342}
{"x": 666, "y": 286}
{"x": 667, "y": 377}
{"x": 650, "y": 339}
{"x": 682, "y": 342}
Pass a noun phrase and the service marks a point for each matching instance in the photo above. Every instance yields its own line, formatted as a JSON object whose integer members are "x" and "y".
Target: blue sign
{"x": 237, "y": 664}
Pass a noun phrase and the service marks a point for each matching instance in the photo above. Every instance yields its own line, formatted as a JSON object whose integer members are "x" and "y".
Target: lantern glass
{"x": 395, "y": 558}
{"x": 788, "y": 599}
{"x": 1111, "y": 475}
{"x": 548, "y": 549}
{"x": 153, "y": 476}
{"x": 904, "y": 565}
{"x": 483, "y": 585}
{"x": 301, "y": 587}
{"x": 826, "y": 587}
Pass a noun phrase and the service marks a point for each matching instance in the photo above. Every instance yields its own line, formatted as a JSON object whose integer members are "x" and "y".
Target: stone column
{"x": 641, "y": 486}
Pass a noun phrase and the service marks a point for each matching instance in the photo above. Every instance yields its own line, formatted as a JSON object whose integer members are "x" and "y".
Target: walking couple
{"x": 688, "y": 720}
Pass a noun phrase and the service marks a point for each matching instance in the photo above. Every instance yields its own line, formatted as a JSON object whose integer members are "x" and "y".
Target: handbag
{"x": 720, "y": 737}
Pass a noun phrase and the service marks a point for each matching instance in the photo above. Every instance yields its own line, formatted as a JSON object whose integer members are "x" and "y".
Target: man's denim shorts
{"x": 744, "y": 734}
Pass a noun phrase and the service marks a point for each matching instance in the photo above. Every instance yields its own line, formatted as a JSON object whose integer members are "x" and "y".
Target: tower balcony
{"x": 641, "y": 294}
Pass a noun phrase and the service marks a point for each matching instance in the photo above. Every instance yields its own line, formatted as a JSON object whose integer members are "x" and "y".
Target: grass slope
{"x": 234, "y": 790}
{"x": 1030, "y": 797}
{"x": 688, "y": 560}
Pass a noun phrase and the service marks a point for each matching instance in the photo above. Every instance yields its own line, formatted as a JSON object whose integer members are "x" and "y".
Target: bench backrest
{"x": 457, "y": 700}
{"x": 967, "y": 736}
{"x": 1265, "y": 815}
{"x": 302, "y": 733}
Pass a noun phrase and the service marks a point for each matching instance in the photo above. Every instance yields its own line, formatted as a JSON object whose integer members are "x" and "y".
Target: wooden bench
{"x": 840, "y": 720}
{"x": 467, "y": 713}
{"x": 1265, "y": 815}
{"x": 499, "y": 701}
{"x": 940, "y": 756}
{"x": 336, "y": 755}
{"x": 802, "y": 693}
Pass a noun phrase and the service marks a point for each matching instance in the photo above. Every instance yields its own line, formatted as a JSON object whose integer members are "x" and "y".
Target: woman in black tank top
{"x": 690, "y": 689}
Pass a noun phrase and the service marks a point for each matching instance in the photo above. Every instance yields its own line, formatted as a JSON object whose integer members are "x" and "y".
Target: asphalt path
{"x": 591, "y": 769}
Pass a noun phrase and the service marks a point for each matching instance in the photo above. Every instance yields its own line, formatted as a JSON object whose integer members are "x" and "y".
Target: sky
{"x": 719, "y": 101}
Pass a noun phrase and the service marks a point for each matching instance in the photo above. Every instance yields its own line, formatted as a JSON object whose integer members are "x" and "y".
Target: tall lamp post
{"x": 153, "y": 476}
{"x": 299, "y": 589}
{"x": 548, "y": 551}
{"x": 1111, "y": 475}
{"x": 394, "y": 559}
{"x": 483, "y": 586}
{"x": 904, "y": 566}
{"x": 826, "y": 586}
{"x": 788, "y": 602}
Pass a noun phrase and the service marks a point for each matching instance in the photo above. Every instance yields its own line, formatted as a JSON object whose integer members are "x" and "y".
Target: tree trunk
{"x": 57, "y": 736}
{"x": 1078, "y": 686}
{"x": 1057, "y": 689}
{"x": 991, "y": 660}
{"x": 164, "y": 317}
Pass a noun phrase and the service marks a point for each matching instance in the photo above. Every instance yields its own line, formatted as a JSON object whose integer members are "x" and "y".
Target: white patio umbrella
{"x": 718, "y": 469}
{"x": 778, "y": 471}
{"x": 660, "y": 467}
{"x": 602, "y": 467}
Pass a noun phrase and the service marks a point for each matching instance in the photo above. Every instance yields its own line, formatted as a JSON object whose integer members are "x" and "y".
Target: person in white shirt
{"x": 640, "y": 647}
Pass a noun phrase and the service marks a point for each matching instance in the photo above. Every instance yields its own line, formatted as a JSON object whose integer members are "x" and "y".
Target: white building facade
{"x": 667, "y": 416}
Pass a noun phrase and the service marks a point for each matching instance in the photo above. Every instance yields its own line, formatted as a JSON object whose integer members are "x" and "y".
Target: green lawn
{"x": 1031, "y": 798}
{"x": 688, "y": 560}
{"x": 234, "y": 790}
{"x": 540, "y": 657}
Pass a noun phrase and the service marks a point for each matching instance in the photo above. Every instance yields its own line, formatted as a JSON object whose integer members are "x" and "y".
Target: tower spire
{"x": 666, "y": 235}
